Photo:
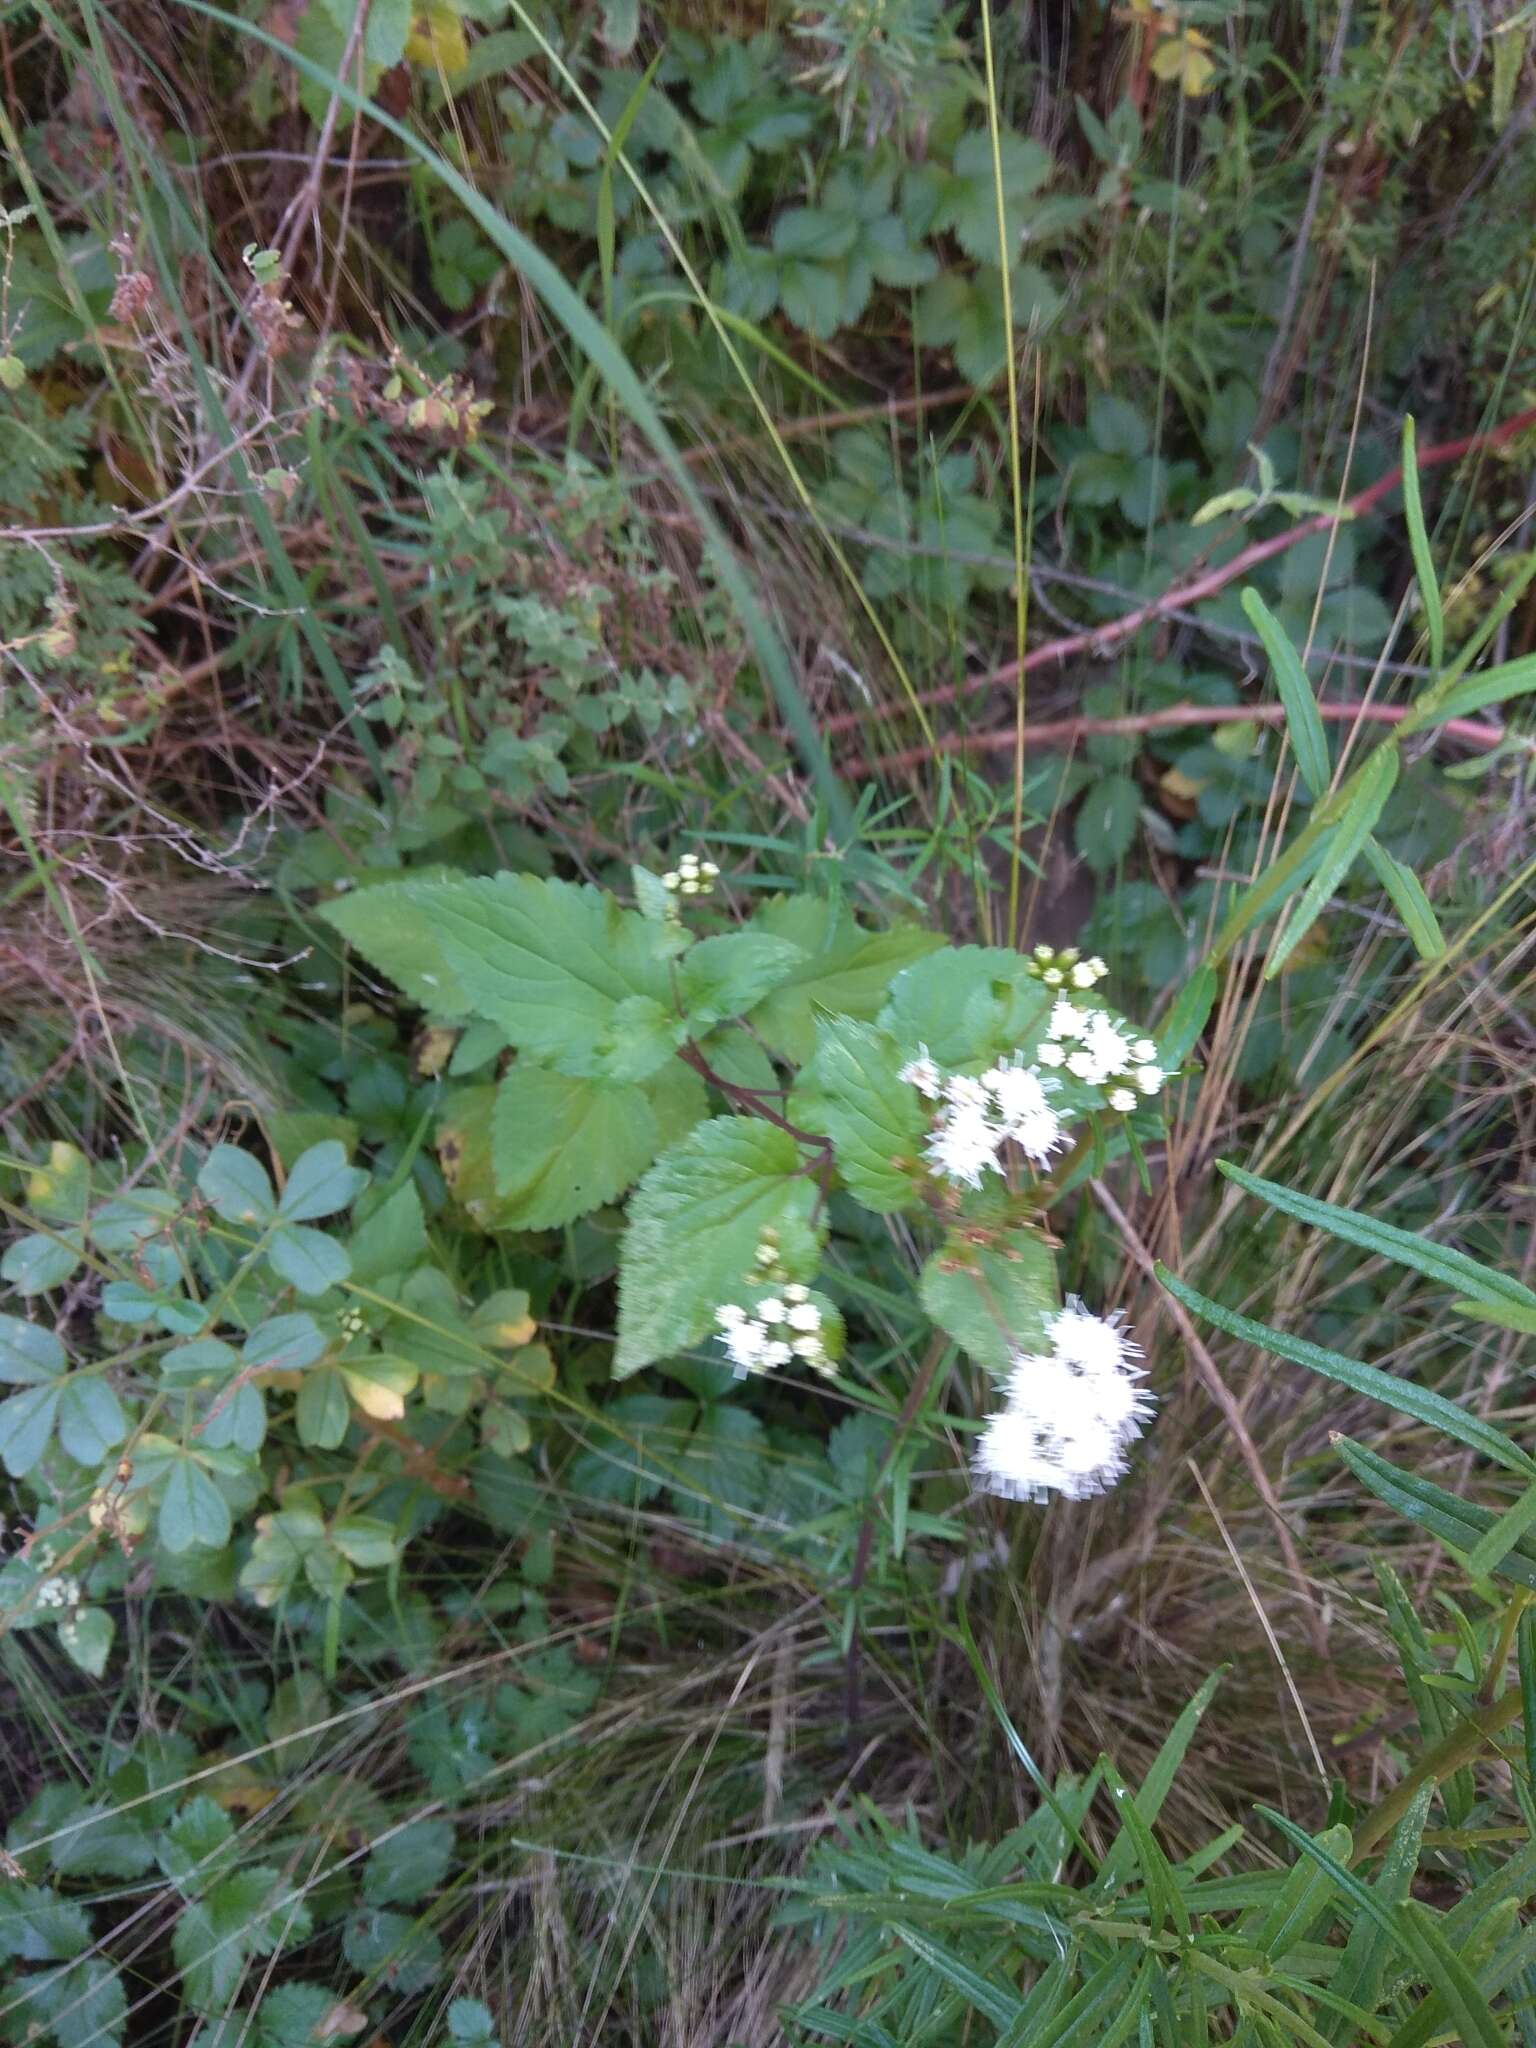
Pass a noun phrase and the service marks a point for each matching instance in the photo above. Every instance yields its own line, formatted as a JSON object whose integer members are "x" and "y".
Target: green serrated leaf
{"x": 562, "y": 1146}
{"x": 851, "y": 1093}
{"x": 694, "y": 1227}
{"x": 993, "y": 1299}
{"x": 549, "y": 962}
{"x": 727, "y": 976}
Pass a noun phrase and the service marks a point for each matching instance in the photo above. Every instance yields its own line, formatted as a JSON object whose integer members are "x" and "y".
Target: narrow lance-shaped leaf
{"x": 1452, "y": 1521}
{"x": 1437, "y": 1262}
{"x": 1367, "y": 799}
{"x": 1415, "y": 1937}
{"x": 1418, "y": 541}
{"x": 1408, "y": 899}
{"x": 1303, "y": 721}
{"x": 1402, "y": 1395}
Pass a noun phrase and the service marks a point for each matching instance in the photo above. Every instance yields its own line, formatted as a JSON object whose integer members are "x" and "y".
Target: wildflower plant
{"x": 725, "y": 1085}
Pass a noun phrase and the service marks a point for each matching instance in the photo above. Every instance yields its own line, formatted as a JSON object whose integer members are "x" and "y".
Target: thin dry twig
{"x": 1098, "y": 641}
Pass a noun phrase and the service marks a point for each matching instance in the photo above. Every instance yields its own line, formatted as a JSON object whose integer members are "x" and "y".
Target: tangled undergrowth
{"x": 631, "y": 640}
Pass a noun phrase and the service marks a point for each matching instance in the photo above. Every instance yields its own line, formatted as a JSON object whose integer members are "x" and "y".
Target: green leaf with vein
{"x": 729, "y": 975}
{"x": 1415, "y": 1935}
{"x": 850, "y": 1092}
{"x": 1366, "y": 800}
{"x": 993, "y": 1299}
{"x": 1469, "y": 694}
{"x": 846, "y": 969}
{"x": 1404, "y": 1396}
{"x": 1408, "y": 899}
{"x": 1458, "y": 1523}
{"x": 694, "y": 1227}
{"x": 550, "y": 963}
{"x": 1271, "y": 888}
{"x": 1303, "y": 721}
{"x": 1418, "y": 541}
{"x": 561, "y": 1145}
{"x": 1437, "y": 1262}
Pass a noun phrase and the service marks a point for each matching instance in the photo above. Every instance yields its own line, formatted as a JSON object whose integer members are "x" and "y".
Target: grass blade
{"x": 1419, "y": 1403}
{"x": 1436, "y": 1262}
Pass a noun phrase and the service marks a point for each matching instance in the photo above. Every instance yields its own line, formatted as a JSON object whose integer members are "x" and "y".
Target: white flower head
{"x": 1143, "y": 1050}
{"x": 771, "y": 1310}
{"x": 964, "y": 1146}
{"x": 1093, "y": 1344}
{"x": 804, "y": 1316}
{"x": 1122, "y": 1099}
{"x": 1066, "y": 1020}
{"x": 1148, "y": 1079}
{"x": 1022, "y": 1456}
{"x": 1084, "y": 1065}
{"x": 1053, "y": 977}
{"x": 1107, "y": 1046}
{"x": 1050, "y": 1054}
{"x": 795, "y": 1292}
{"x": 923, "y": 1074}
{"x": 964, "y": 1091}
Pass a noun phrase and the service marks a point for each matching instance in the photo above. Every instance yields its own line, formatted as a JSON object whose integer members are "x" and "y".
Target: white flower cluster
{"x": 1090, "y": 1045}
{"x": 1070, "y": 1414}
{"x": 691, "y": 877}
{"x": 782, "y": 1327}
{"x": 63, "y": 1591}
{"x": 977, "y": 1117}
{"x": 1065, "y": 969}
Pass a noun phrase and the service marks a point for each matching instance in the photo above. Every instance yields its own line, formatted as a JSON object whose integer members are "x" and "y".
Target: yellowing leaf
{"x": 436, "y": 41}
{"x": 1175, "y": 783}
{"x": 1183, "y": 57}
{"x": 379, "y": 1386}
{"x": 434, "y": 1048}
{"x": 59, "y": 1187}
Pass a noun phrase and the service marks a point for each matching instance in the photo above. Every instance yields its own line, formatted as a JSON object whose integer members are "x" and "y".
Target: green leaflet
{"x": 480, "y": 1138}
{"x": 850, "y": 1092}
{"x": 993, "y": 1299}
{"x": 695, "y": 1224}
{"x": 1436, "y": 1262}
{"x": 549, "y": 963}
{"x": 1403, "y": 1395}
